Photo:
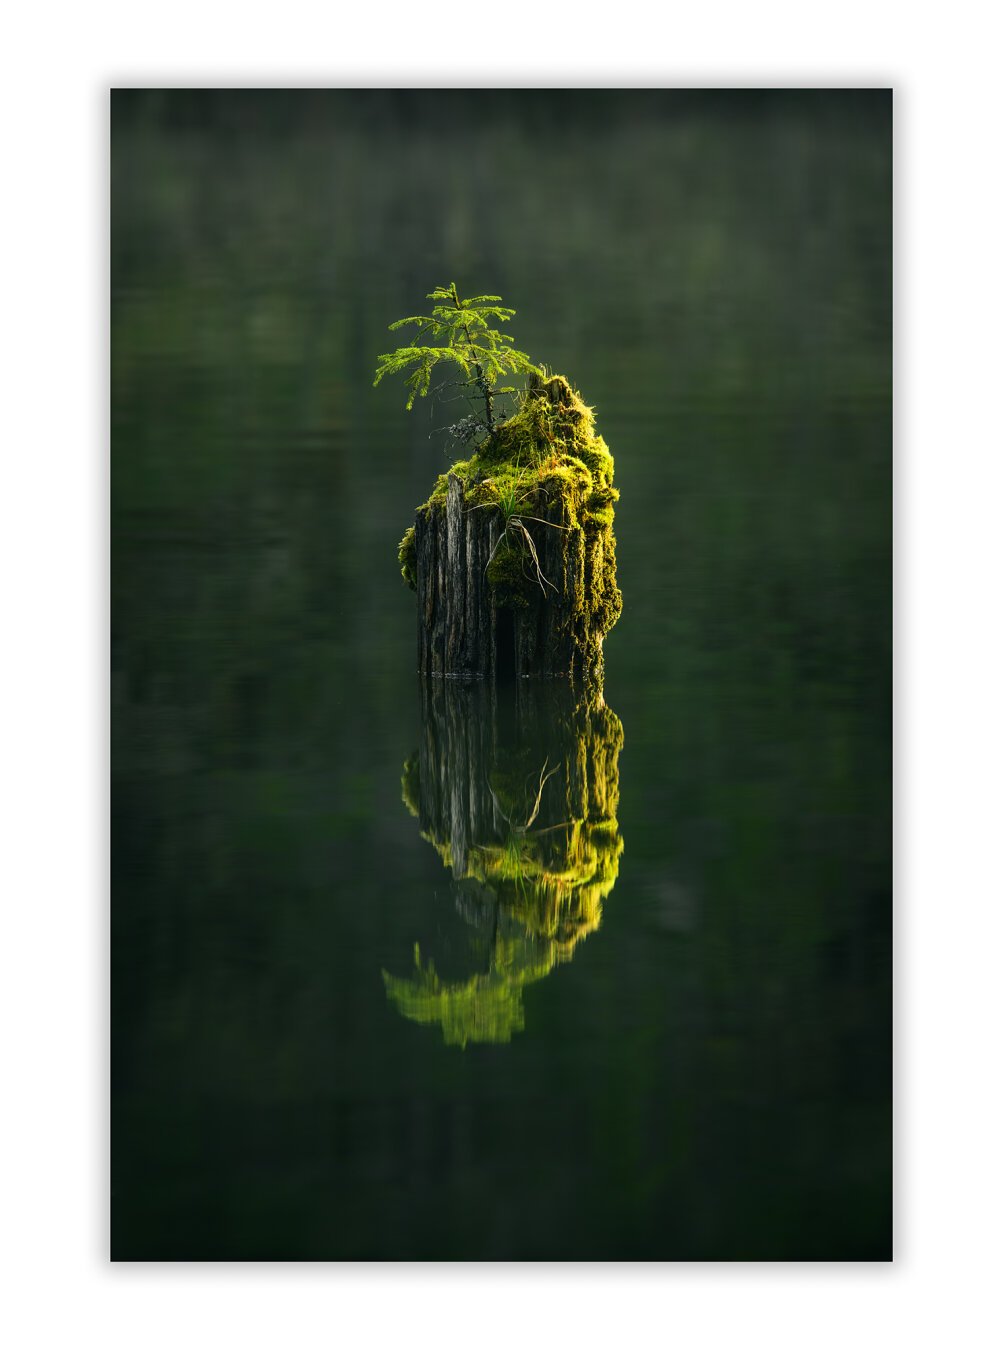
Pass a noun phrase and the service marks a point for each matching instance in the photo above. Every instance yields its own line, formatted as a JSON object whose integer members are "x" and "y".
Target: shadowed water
{"x": 650, "y": 1013}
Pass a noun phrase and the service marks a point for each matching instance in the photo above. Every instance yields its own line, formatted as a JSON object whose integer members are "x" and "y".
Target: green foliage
{"x": 460, "y": 332}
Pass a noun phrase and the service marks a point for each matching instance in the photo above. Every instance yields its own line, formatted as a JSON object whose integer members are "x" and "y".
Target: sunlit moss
{"x": 407, "y": 558}
{"x": 545, "y": 463}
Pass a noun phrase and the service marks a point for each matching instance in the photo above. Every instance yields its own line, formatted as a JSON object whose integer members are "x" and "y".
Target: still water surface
{"x": 403, "y": 972}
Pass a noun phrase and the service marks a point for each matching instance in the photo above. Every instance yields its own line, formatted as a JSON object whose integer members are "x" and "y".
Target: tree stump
{"x": 513, "y": 556}
{"x": 462, "y": 629}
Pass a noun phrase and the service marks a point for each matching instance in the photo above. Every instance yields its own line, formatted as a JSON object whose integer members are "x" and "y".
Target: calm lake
{"x": 343, "y": 1025}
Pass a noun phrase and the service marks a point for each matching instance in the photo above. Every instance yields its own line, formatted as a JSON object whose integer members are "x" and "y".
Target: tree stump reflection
{"x": 516, "y": 788}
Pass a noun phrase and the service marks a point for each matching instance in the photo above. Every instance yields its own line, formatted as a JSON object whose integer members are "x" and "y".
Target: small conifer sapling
{"x": 460, "y": 332}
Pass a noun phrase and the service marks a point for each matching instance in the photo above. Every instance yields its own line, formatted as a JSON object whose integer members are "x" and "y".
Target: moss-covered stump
{"x": 517, "y": 791}
{"x": 513, "y": 556}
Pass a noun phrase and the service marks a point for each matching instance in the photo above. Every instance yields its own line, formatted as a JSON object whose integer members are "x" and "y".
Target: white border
{"x": 948, "y": 897}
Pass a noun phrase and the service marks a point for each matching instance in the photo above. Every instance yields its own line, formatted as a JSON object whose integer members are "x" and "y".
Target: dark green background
{"x": 710, "y": 1077}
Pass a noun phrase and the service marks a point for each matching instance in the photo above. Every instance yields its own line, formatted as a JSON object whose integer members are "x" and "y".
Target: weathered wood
{"x": 461, "y": 630}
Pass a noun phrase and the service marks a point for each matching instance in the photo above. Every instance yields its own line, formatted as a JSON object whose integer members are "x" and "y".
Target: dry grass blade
{"x": 516, "y": 524}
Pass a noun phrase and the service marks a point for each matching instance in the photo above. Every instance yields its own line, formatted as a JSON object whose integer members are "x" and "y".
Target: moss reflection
{"x": 517, "y": 790}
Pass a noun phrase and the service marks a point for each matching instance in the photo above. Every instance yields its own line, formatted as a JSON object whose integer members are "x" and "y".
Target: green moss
{"x": 407, "y": 558}
{"x": 509, "y": 579}
{"x": 546, "y": 461}
{"x": 464, "y": 469}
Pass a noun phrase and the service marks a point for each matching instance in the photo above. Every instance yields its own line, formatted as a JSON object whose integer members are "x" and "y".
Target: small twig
{"x": 552, "y": 523}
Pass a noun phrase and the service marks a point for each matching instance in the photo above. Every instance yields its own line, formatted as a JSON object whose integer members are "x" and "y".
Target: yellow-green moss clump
{"x": 547, "y": 467}
{"x": 407, "y": 558}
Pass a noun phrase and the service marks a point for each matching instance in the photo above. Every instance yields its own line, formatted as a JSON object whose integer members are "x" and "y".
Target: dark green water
{"x": 706, "y": 1072}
